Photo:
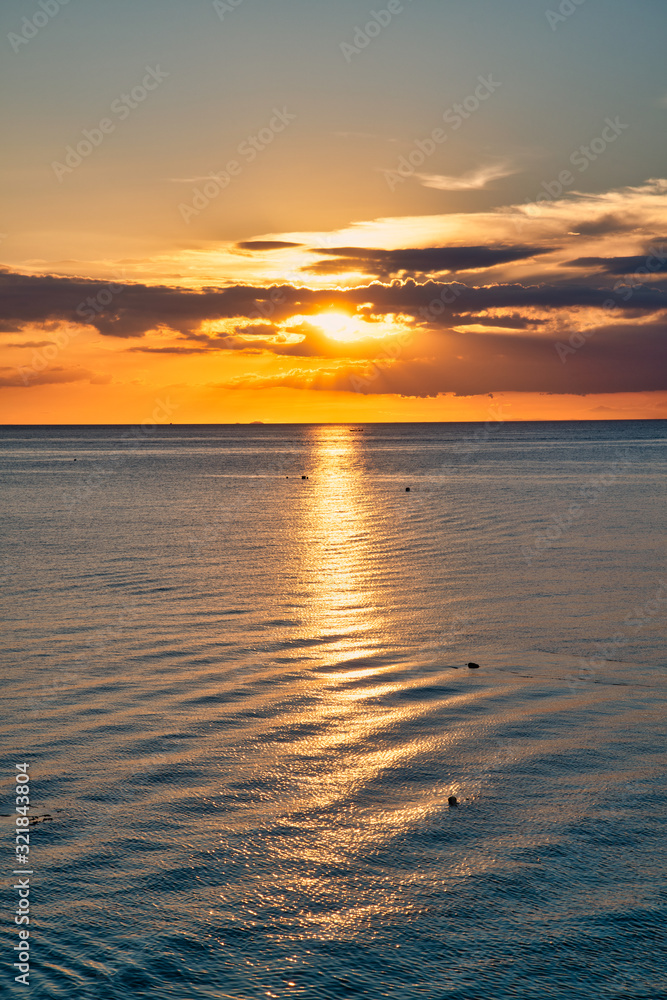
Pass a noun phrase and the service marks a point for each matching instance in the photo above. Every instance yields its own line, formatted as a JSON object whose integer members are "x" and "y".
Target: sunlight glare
{"x": 339, "y": 326}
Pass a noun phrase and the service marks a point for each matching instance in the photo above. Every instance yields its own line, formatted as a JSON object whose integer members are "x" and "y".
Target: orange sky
{"x": 514, "y": 321}
{"x": 247, "y": 218}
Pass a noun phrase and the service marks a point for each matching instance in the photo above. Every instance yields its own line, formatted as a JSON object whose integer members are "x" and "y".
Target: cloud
{"x": 449, "y": 297}
{"x": 262, "y": 245}
{"x": 32, "y": 343}
{"x": 138, "y": 308}
{"x": 614, "y": 359}
{"x": 513, "y": 322}
{"x": 651, "y": 263}
{"x": 26, "y": 378}
{"x": 418, "y": 260}
{"x": 474, "y": 180}
{"x": 169, "y": 350}
{"x": 465, "y": 330}
{"x": 605, "y": 224}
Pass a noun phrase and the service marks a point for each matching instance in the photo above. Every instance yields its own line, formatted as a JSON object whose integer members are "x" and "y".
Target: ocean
{"x": 237, "y": 667}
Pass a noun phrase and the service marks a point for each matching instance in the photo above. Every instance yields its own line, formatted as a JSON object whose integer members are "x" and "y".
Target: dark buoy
{"x": 453, "y": 801}
{"x": 407, "y": 489}
{"x": 474, "y": 666}
{"x": 304, "y": 477}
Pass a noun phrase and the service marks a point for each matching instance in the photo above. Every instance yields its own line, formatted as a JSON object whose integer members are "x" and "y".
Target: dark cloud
{"x": 513, "y": 322}
{"x": 649, "y": 263}
{"x": 32, "y": 343}
{"x": 440, "y": 299}
{"x": 135, "y": 309}
{"x": 260, "y": 245}
{"x": 387, "y": 264}
{"x": 130, "y": 310}
{"x": 213, "y": 344}
{"x": 605, "y": 224}
{"x": 25, "y": 377}
{"x": 620, "y": 357}
{"x": 611, "y": 359}
{"x": 169, "y": 350}
{"x": 257, "y": 329}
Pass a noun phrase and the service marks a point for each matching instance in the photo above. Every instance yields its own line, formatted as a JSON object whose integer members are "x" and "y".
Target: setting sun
{"x": 340, "y": 326}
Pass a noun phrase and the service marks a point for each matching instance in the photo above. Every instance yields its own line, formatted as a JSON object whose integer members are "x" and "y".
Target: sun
{"x": 339, "y": 326}
{"x": 345, "y": 328}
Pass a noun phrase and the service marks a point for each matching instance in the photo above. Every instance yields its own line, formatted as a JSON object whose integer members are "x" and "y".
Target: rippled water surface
{"x": 245, "y": 701}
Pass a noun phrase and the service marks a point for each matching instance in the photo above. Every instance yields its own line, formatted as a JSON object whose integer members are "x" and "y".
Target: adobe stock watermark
{"x": 132, "y": 440}
{"x": 122, "y": 108}
{"x": 264, "y": 309}
{"x": 503, "y": 753}
{"x": 249, "y": 149}
{"x": 655, "y": 253}
{"x": 458, "y": 630}
{"x": 391, "y": 352}
{"x": 438, "y": 305}
{"x": 566, "y": 9}
{"x": 31, "y": 26}
{"x": 363, "y": 36}
{"x": 454, "y": 117}
{"x": 580, "y": 338}
{"x": 86, "y": 310}
{"x": 471, "y": 443}
{"x": 388, "y": 355}
{"x": 224, "y": 518}
{"x": 22, "y": 885}
{"x": 222, "y": 7}
{"x": 136, "y": 951}
{"x": 589, "y": 494}
{"x": 211, "y": 532}
{"x": 582, "y": 157}
{"x": 633, "y": 623}
{"x": 103, "y": 641}
{"x": 490, "y": 762}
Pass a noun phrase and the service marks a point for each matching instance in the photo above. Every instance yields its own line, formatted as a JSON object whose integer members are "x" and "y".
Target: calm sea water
{"x": 244, "y": 698}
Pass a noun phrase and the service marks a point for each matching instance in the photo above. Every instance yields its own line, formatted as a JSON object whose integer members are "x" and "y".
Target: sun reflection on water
{"x": 345, "y": 773}
{"x": 338, "y": 524}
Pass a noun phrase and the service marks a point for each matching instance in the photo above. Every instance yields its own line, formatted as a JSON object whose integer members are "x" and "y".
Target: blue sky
{"x": 353, "y": 119}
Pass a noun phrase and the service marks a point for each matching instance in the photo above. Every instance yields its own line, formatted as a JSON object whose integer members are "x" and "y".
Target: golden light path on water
{"x": 338, "y": 530}
{"x": 347, "y": 801}
{"x": 248, "y": 743}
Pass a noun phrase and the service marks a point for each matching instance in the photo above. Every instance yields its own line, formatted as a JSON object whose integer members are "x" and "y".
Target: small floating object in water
{"x": 304, "y": 477}
{"x": 474, "y": 666}
{"x": 453, "y": 801}
{"x": 407, "y": 489}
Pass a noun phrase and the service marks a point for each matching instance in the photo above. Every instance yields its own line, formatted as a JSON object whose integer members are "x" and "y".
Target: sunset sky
{"x": 344, "y": 211}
